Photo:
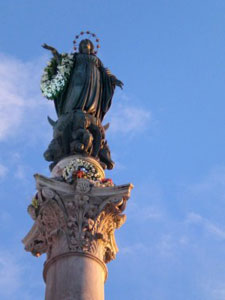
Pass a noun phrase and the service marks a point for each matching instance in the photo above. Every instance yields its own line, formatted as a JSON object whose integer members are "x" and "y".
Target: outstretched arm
{"x": 117, "y": 82}
{"x": 112, "y": 77}
{"x": 54, "y": 52}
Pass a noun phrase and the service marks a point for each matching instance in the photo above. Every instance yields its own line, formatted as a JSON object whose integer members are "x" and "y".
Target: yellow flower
{"x": 34, "y": 202}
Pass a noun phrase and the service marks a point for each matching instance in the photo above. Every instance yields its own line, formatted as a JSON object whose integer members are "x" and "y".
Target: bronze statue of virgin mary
{"x": 82, "y": 90}
{"x": 90, "y": 87}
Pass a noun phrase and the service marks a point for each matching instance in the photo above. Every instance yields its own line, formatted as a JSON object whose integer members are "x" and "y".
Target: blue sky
{"x": 166, "y": 137}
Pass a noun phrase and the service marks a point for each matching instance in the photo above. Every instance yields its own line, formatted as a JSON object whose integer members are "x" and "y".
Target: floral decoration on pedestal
{"x": 80, "y": 168}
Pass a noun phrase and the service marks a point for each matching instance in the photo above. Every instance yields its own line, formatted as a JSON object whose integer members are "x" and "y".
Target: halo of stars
{"x": 91, "y": 35}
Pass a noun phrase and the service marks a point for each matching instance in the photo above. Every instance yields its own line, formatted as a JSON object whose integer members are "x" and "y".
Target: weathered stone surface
{"x": 78, "y": 217}
{"x": 74, "y": 225}
{"x": 74, "y": 277}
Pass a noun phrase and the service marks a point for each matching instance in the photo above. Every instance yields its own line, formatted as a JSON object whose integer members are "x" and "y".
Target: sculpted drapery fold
{"x": 90, "y": 88}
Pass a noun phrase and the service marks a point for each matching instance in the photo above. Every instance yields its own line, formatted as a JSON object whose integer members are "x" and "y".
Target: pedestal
{"x": 74, "y": 225}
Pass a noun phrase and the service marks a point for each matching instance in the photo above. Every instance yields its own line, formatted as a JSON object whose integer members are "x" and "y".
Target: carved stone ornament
{"x": 78, "y": 217}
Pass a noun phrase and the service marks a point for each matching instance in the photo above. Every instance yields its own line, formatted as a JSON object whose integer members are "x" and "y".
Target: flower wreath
{"x": 80, "y": 168}
{"x": 55, "y": 77}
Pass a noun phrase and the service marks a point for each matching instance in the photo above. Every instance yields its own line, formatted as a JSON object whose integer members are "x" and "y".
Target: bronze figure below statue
{"x": 82, "y": 90}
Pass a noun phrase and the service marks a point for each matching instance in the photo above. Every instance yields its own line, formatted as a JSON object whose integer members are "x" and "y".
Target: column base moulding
{"x": 51, "y": 261}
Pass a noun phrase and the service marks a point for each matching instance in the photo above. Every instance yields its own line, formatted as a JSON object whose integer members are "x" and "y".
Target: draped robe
{"x": 90, "y": 88}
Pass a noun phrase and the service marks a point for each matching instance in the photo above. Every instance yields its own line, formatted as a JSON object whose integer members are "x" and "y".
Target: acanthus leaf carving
{"x": 82, "y": 221}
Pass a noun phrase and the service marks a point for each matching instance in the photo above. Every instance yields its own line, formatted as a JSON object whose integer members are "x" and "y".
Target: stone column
{"x": 74, "y": 225}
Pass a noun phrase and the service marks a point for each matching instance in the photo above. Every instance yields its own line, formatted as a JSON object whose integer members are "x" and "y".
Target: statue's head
{"x": 86, "y": 47}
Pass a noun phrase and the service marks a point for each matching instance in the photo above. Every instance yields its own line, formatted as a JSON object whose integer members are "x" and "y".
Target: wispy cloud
{"x": 19, "y": 279}
{"x": 3, "y": 171}
{"x": 10, "y": 275}
{"x": 218, "y": 293}
{"x": 144, "y": 213}
{"x": 20, "y": 96}
{"x": 166, "y": 245}
{"x": 12, "y": 76}
{"x": 212, "y": 185}
{"x": 127, "y": 117}
{"x": 134, "y": 249}
{"x": 22, "y": 105}
{"x": 210, "y": 227}
{"x": 20, "y": 172}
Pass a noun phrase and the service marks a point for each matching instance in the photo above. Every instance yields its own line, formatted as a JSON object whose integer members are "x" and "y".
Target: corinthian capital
{"x": 79, "y": 217}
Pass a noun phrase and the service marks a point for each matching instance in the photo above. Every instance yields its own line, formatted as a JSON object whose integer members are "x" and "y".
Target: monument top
{"x": 82, "y": 90}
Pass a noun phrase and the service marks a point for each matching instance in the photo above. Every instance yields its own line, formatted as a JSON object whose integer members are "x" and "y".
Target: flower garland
{"x": 53, "y": 85}
{"x": 80, "y": 168}
{"x": 34, "y": 202}
{"x": 105, "y": 182}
